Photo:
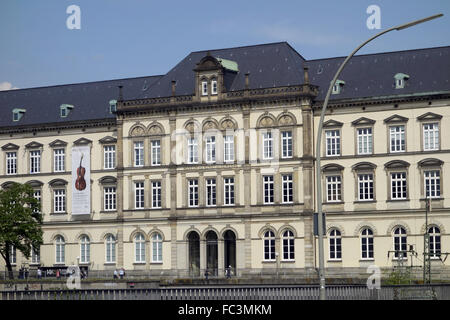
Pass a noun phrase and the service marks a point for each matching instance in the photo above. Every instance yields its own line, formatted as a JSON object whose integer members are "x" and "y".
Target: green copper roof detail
{"x": 228, "y": 64}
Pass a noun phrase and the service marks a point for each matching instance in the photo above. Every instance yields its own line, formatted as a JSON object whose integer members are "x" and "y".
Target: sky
{"x": 132, "y": 38}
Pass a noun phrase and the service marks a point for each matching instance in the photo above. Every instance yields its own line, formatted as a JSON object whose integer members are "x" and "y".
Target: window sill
{"x": 364, "y": 201}
{"x": 156, "y": 262}
{"x": 331, "y": 203}
{"x": 139, "y": 263}
{"x": 269, "y": 261}
{"x": 109, "y": 211}
{"x": 397, "y": 200}
{"x": 334, "y": 260}
{"x": 58, "y": 213}
{"x": 109, "y": 263}
{"x": 288, "y": 261}
{"x": 432, "y": 199}
{"x": 367, "y": 260}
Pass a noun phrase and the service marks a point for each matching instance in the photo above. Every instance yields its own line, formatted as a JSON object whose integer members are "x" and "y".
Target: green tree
{"x": 20, "y": 222}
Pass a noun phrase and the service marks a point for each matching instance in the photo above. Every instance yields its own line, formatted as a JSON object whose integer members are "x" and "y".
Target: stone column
{"x": 120, "y": 192}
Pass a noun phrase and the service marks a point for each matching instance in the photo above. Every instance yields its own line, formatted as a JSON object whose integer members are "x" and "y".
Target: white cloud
{"x": 6, "y": 86}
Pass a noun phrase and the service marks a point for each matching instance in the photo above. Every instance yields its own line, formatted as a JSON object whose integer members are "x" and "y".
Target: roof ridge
{"x": 239, "y": 47}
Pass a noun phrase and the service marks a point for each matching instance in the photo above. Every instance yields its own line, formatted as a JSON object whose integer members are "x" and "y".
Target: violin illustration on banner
{"x": 80, "y": 184}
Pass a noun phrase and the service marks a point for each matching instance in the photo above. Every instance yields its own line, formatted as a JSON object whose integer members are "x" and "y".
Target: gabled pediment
{"x": 57, "y": 143}
{"x": 34, "y": 144}
{"x": 10, "y": 146}
{"x": 363, "y": 121}
{"x": 332, "y": 123}
{"x": 364, "y": 166}
{"x": 107, "y": 139}
{"x": 82, "y": 141}
{"x": 396, "y": 164}
{"x": 395, "y": 119}
{"x": 429, "y": 116}
{"x": 208, "y": 63}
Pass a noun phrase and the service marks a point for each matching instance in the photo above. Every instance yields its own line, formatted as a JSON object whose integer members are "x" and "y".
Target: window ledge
{"x": 288, "y": 261}
{"x": 361, "y": 201}
{"x": 58, "y": 213}
{"x": 139, "y": 263}
{"x": 332, "y": 203}
{"x": 397, "y": 200}
{"x": 269, "y": 261}
{"x": 109, "y": 263}
{"x": 156, "y": 262}
{"x": 367, "y": 260}
{"x": 334, "y": 260}
{"x": 108, "y": 211}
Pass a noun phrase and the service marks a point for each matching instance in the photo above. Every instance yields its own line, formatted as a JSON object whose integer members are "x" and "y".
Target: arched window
{"x": 110, "y": 249}
{"x": 269, "y": 245}
{"x": 435, "y": 242}
{"x": 139, "y": 245}
{"x": 60, "y": 250}
{"x": 85, "y": 248}
{"x": 366, "y": 244}
{"x": 288, "y": 245}
{"x": 335, "y": 245}
{"x": 156, "y": 247}
{"x": 400, "y": 241}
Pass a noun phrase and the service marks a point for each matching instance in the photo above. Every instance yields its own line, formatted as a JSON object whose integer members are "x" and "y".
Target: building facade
{"x": 211, "y": 165}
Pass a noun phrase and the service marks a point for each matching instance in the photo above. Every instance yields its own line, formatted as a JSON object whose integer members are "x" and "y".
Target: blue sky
{"x": 120, "y": 39}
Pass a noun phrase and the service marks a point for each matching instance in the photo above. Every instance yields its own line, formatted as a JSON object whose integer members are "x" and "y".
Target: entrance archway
{"x": 211, "y": 253}
{"x": 194, "y": 253}
{"x": 229, "y": 250}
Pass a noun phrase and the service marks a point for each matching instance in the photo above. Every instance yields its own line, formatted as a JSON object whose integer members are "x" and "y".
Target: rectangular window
{"x": 156, "y": 194}
{"x": 210, "y": 192}
{"x": 59, "y": 196}
{"x": 11, "y": 163}
{"x": 37, "y": 196}
{"x": 228, "y": 148}
{"x": 109, "y": 157}
{"x": 59, "y": 159}
{"x": 204, "y": 88}
{"x": 365, "y": 187}
{"x": 333, "y": 143}
{"x": 398, "y": 185}
{"x": 109, "y": 194}
{"x": 431, "y": 136}
{"x": 287, "y": 188}
{"x": 397, "y": 138}
{"x": 334, "y": 188}
{"x": 364, "y": 140}
{"x": 432, "y": 184}
{"x": 139, "y": 154}
{"x": 193, "y": 193}
{"x": 35, "y": 161}
{"x": 214, "y": 87}
{"x": 192, "y": 150}
{"x": 286, "y": 143}
{"x": 156, "y": 152}
{"x": 267, "y": 145}
{"x": 35, "y": 257}
{"x": 228, "y": 184}
{"x": 139, "y": 195}
{"x": 268, "y": 189}
{"x": 211, "y": 149}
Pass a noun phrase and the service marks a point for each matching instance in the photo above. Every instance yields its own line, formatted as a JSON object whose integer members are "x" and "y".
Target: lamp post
{"x": 319, "y": 138}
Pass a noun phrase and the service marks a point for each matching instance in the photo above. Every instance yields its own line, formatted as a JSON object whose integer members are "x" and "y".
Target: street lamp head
{"x": 413, "y": 23}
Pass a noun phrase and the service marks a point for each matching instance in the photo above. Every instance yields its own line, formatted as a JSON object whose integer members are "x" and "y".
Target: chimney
{"x": 173, "y": 87}
{"x": 305, "y": 72}
{"x": 120, "y": 94}
{"x": 246, "y": 80}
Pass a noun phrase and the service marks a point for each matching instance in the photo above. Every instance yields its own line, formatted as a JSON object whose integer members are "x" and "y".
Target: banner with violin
{"x": 81, "y": 180}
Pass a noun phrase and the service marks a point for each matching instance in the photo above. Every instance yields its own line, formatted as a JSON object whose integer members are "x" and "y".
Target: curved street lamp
{"x": 319, "y": 138}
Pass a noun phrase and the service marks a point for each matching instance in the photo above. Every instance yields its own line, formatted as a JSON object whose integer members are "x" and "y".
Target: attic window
{"x": 400, "y": 80}
{"x": 338, "y": 86}
{"x": 204, "y": 88}
{"x": 214, "y": 86}
{"x": 65, "y": 110}
{"x": 112, "y": 106}
{"x": 17, "y": 114}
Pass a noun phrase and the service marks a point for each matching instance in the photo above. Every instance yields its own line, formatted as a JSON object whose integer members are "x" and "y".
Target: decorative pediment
{"x": 228, "y": 123}
{"x": 10, "y": 146}
{"x": 429, "y": 116}
{"x": 57, "y": 183}
{"x": 108, "y": 180}
{"x": 57, "y": 143}
{"x": 107, "y": 140}
{"x": 207, "y": 63}
{"x": 33, "y": 145}
{"x": 332, "y": 167}
{"x": 35, "y": 183}
{"x": 396, "y": 164}
{"x": 7, "y": 184}
{"x": 395, "y": 119}
{"x": 192, "y": 126}
{"x": 332, "y": 124}
{"x": 155, "y": 129}
{"x": 137, "y": 130}
{"x": 364, "y": 166}
{"x": 286, "y": 119}
{"x": 430, "y": 162}
{"x": 363, "y": 121}
{"x": 267, "y": 120}
{"x": 82, "y": 141}
{"x": 210, "y": 124}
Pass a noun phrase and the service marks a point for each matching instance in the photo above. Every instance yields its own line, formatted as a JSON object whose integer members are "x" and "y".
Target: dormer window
{"x": 17, "y": 114}
{"x": 65, "y": 110}
{"x": 112, "y": 106}
{"x": 400, "y": 79}
{"x": 204, "y": 88}
{"x": 338, "y": 86}
{"x": 214, "y": 86}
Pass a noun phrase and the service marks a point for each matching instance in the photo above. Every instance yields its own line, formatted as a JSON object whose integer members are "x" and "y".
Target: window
{"x": 228, "y": 148}
{"x": 398, "y": 186}
{"x": 59, "y": 198}
{"x": 192, "y": 150}
{"x": 109, "y": 195}
{"x": 157, "y": 247}
{"x": 156, "y": 194}
{"x": 37, "y": 196}
{"x": 112, "y": 106}
{"x": 333, "y": 142}
{"x": 337, "y": 87}
{"x": 18, "y": 114}
{"x": 364, "y": 140}
{"x": 110, "y": 249}
{"x": 60, "y": 250}
{"x": 287, "y": 188}
{"x": 400, "y": 243}
{"x": 65, "y": 110}
{"x": 193, "y": 193}
{"x": 85, "y": 249}
{"x": 400, "y": 83}
{"x": 432, "y": 184}
{"x": 35, "y": 161}
{"x": 269, "y": 245}
{"x": 365, "y": 187}
{"x": 210, "y": 192}
{"x": 214, "y": 87}
{"x": 109, "y": 153}
{"x": 204, "y": 88}
{"x": 397, "y": 138}
{"x": 139, "y": 195}
{"x": 435, "y": 242}
{"x": 228, "y": 191}
{"x": 156, "y": 152}
{"x": 286, "y": 143}
{"x": 366, "y": 244}
{"x": 139, "y": 154}
{"x": 288, "y": 245}
{"x": 59, "y": 160}
{"x": 268, "y": 189}
{"x": 139, "y": 245}
{"x": 12, "y": 254}
{"x": 335, "y": 245}
{"x": 267, "y": 145}
{"x": 35, "y": 256}
{"x": 334, "y": 188}
{"x": 11, "y": 163}
{"x": 211, "y": 149}
{"x": 431, "y": 136}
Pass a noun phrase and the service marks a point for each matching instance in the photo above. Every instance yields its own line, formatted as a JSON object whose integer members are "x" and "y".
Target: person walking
{"x": 116, "y": 274}
{"x": 121, "y": 273}
{"x": 39, "y": 273}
